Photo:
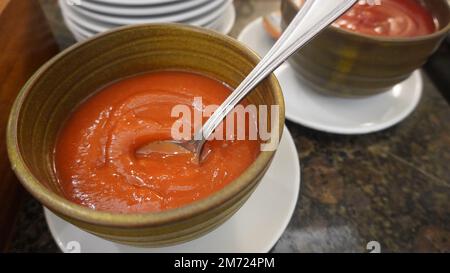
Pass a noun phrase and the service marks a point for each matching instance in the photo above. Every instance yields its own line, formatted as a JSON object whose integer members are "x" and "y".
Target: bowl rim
{"x": 64, "y": 207}
{"x": 441, "y": 32}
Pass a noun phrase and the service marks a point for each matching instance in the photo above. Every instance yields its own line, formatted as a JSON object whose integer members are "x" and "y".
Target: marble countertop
{"x": 392, "y": 187}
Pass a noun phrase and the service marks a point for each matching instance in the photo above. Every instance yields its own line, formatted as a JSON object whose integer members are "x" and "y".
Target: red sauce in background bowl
{"x": 388, "y": 18}
{"x": 95, "y": 159}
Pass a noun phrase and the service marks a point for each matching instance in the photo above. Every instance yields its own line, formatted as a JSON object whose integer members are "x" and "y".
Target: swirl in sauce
{"x": 391, "y": 18}
{"x": 95, "y": 159}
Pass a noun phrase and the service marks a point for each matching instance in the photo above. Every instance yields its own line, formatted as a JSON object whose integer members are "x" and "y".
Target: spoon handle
{"x": 313, "y": 17}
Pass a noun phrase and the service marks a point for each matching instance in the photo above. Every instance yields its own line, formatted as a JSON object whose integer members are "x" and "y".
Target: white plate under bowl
{"x": 132, "y": 10}
{"x": 256, "y": 227}
{"x": 332, "y": 114}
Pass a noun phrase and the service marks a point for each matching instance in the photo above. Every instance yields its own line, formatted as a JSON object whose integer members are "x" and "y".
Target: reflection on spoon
{"x": 169, "y": 148}
{"x": 161, "y": 147}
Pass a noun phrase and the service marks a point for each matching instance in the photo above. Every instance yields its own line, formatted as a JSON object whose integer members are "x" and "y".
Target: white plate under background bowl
{"x": 332, "y": 114}
{"x": 256, "y": 227}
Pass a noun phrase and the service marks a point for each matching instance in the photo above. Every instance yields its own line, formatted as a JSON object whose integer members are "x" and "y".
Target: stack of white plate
{"x": 85, "y": 18}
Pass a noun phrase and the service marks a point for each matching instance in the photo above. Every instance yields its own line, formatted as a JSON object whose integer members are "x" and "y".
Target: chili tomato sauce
{"x": 392, "y": 18}
{"x": 95, "y": 159}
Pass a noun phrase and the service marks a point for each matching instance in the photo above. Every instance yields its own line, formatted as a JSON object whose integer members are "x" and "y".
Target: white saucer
{"x": 256, "y": 227}
{"x": 336, "y": 115}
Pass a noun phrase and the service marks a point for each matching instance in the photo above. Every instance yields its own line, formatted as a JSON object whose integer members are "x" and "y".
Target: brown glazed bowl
{"x": 49, "y": 97}
{"x": 342, "y": 63}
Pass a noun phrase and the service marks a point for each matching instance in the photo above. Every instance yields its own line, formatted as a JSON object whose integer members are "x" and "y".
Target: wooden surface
{"x": 25, "y": 43}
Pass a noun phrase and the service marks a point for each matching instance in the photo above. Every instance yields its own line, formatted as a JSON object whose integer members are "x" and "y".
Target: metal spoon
{"x": 313, "y": 17}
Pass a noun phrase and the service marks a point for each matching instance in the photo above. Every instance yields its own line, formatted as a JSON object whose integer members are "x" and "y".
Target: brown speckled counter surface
{"x": 392, "y": 187}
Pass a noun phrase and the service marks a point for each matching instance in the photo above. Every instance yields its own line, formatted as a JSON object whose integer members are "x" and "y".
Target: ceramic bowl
{"x": 343, "y": 63}
{"x": 49, "y": 97}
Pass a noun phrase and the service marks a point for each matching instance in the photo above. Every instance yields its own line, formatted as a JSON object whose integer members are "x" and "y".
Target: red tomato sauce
{"x": 391, "y": 18}
{"x": 95, "y": 159}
